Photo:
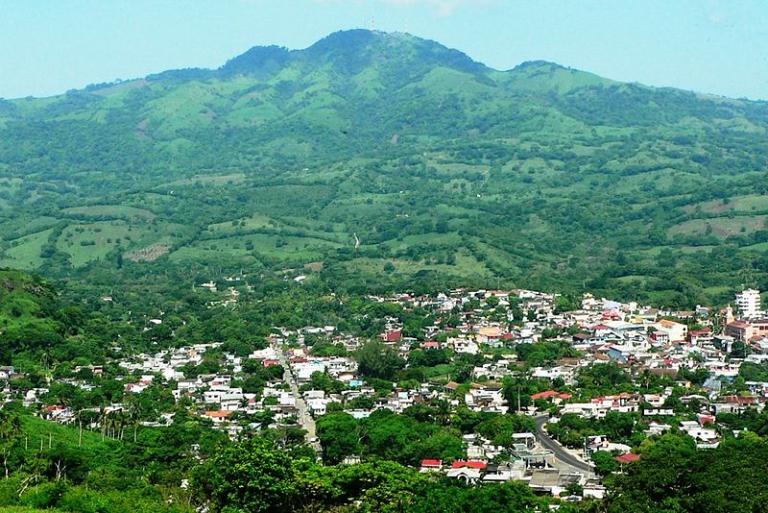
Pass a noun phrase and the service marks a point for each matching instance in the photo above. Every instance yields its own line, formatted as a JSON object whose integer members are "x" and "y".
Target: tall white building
{"x": 748, "y": 303}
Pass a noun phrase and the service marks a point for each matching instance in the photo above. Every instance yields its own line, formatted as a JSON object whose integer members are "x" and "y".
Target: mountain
{"x": 445, "y": 170}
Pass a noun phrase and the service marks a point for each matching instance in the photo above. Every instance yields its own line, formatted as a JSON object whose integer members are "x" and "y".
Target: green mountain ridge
{"x": 448, "y": 170}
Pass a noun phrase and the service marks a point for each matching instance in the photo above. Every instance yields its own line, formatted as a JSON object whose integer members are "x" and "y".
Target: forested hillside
{"x": 384, "y": 160}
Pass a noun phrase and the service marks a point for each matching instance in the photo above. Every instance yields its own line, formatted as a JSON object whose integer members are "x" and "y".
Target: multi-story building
{"x": 748, "y": 303}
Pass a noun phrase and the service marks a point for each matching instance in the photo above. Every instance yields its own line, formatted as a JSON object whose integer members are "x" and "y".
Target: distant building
{"x": 748, "y": 303}
{"x": 746, "y": 331}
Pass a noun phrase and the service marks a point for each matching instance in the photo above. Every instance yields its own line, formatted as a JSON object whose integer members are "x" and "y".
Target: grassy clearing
{"x": 633, "y": 278}
{"x": 295, "y": 249}
{"x": 243, "y": 224}
{"x": 37, "y": 430}
{"x": 747, "y": 203}
{"x": 721, "y": 227}
{"x": 466, "y": 265}
{"x": 24, "y": 253}
{"x": 208, "y": 180}
{"x": 762, "y": 246}
{"x": 110, "y": 211}
{"x": 87, "y": 242}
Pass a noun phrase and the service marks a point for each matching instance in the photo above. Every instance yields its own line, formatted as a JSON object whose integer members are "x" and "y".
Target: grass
{"x": 721, "y": 227}
{"x": 93, "y": 241}
{"x": 24, "y": 253}
{"x": 633, "y": 278}
{"x": 208, "y": 180}
{"x": 23, "y": 225}
{"x": 744, "y": 204}
{"x": 36, "y": 430}
{"x": 110, "y": 211}
{"x": 25, "y": 509}
{"x": 75, "y": 240}
{"x": 761, "y": 246}
{"x": 243, "y": 224}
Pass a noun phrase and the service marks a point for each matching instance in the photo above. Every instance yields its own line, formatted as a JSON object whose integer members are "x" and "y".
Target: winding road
{"x": 558, "y": 450}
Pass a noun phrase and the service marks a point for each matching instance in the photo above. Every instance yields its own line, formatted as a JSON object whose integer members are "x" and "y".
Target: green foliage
{"x": 605, "y": 462}
{"x": 750, "y": 419}
{"x": 543, "y": 353}
{"x": 673, "y": 476}
{"x": 339, "y": 436}
{"x": 500, "y": 428}
{"x": 604, "y": 378}
{"x": 327, "y": 349}
{"x": 406, "y": 439}
{"x": 403, "y": 439}
{"x": 428, "y": 357}
{"x": 572, "y": 429}
{"x": 31, "y": 319}
{"x": 513, "y": 497}
{"x": 377, "y": 360}
{"x": 323, "y": 381}
{"x": 253, "y": 478}
{"x": 753, "y": 372}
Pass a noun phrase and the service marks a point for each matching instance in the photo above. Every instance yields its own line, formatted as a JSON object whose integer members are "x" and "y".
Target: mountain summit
{"x": 352, "y": 51}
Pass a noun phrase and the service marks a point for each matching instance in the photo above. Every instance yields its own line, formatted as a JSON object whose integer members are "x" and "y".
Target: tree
{"x": 249, "y": 476}
{"x": 338, "y": 434}
{"x": 672, "y": 476}
{"x": 374, "y": 359}
{"x": 501, "y": 428}
{"x": 323, "y": 381}
{"x": 605, "y": 462}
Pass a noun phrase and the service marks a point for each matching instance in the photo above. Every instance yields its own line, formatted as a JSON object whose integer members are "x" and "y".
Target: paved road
{"x": 305, "y": 419}
{"x": 558, "y": 450}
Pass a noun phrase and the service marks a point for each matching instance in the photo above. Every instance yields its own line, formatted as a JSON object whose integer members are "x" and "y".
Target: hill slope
{"x": 453, "y": 172}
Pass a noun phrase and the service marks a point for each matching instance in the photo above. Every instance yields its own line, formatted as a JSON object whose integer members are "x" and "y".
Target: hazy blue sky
{"x": 717, "y": 46}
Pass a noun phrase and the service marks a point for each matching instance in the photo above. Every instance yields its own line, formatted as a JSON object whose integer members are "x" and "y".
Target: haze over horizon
{"x": 709, "y": 47}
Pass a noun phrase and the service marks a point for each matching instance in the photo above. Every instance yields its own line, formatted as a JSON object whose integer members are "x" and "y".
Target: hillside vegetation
{"x": 446, "y": 172}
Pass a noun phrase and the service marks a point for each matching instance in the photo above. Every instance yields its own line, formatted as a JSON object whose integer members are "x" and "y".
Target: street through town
{"x": 560, "y": 452}
{"x": 305, "y": 419}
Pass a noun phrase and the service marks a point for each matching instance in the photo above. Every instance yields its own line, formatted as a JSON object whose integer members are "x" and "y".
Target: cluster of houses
{"x": 648, "y": 341}
{"x": 525, "y": 461}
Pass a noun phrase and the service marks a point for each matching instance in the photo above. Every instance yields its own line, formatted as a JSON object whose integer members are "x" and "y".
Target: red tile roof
{"x": 393, "y": 336}
{"x": 549, "y": 394}
{"x": 737, "y": 399}
{"x": 469, "y": 464}
{"x": 218, "y": 414}
{"x": 431, "y": 463}
{"x": 627, "y": 458}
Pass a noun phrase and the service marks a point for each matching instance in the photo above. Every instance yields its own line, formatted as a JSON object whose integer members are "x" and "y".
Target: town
{"x": 537, "y": 387}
